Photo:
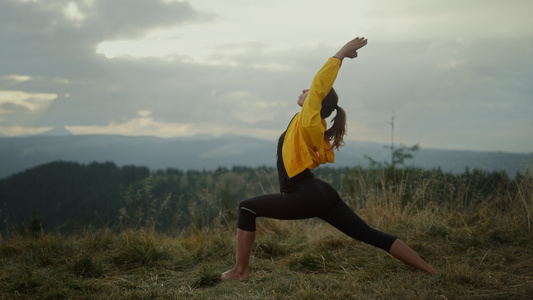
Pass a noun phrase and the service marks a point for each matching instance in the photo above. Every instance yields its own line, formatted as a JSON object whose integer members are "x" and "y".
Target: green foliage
{"x": 34, "y": 226}
{"x": 141, "y": 208}
{"x": 138, "y": 248}
{"x": 416, "y": 187}
{"x": 308, "y": 262}
{"x": 326, "y": 265}
{"x": 65, "y": 195}
{"x": 206, "y": 277}
{"x": 474, "y": 228}
{"x": 87, "y": 266}
{"x": 398, "y": 157}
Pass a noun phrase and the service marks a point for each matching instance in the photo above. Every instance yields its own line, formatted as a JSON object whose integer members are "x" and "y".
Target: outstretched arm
{"x": 350, "y": 49}
{"x": 310, "y": 118}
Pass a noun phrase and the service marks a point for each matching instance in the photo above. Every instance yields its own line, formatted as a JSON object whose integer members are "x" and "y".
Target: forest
{"x": 99, "y": 231}
{"x": 67, "y": 196}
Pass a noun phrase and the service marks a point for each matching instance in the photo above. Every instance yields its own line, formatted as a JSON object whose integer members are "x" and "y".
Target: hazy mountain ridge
{"x": 209, "y": 153}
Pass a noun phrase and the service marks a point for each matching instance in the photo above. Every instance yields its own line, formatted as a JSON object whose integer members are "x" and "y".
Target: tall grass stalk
{"x": 474, "y": 229}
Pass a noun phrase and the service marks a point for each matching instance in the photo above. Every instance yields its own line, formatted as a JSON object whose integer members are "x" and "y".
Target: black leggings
{"x": 314, "y": 198}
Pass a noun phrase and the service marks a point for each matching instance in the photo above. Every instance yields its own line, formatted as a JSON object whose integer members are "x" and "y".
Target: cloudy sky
{"x": 455, "y": 74}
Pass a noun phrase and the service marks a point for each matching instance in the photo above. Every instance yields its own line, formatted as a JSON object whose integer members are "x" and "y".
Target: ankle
{"x": 241, "y": 269}
{"x": 236, "y": 274}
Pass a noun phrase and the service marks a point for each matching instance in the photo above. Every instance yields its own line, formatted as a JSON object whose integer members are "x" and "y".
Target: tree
{"x": 398, "y": 155}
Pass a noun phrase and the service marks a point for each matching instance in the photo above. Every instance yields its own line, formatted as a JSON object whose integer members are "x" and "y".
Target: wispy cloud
{"x": 174, "y": 68}
{"x": 30, "y": 101}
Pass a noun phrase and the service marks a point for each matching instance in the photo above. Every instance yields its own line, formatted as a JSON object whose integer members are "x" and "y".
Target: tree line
{"x": 68, "y": 196}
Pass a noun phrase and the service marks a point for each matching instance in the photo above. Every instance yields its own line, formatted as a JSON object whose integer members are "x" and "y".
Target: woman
{"x": 305, "y": 145}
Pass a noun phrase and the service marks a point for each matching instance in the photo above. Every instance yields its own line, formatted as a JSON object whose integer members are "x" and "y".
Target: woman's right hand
{"x": 350, "y": 49}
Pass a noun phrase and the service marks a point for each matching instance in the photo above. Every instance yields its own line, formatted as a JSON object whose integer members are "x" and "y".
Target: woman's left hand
{"x": 350, "y": 49}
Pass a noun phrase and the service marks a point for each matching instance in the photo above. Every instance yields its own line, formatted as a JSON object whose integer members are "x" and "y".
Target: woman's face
{"x": 302, "y": 97}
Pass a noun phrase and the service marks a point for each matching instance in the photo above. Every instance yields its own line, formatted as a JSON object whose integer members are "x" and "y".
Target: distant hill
{"x": 57, "y": 131}
{"x": 209, "y": 153}
{"x": 66, "y": 194}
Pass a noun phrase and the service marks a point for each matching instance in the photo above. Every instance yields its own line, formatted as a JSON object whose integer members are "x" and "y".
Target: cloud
{"x": 98, "y": 17}
{"x": 30, "y": 101}
{"x": 21, "y": 108}
{"x": 73, "y": 13}
{"x": 184, "y": 67}
{"x": 142, "y": 125}
{"x": 445, "y": 20}
{"x": 57, "y": 41}
{"x": 21, "y": 130}
{"x": 17, "y": 77}
{"x": 59, "y": 34}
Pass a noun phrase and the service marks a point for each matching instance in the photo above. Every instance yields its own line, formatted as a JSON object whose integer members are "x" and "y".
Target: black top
{"x": 286, "y": 184}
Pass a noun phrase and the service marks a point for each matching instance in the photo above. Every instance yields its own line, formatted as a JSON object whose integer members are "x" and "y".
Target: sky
{"x": 454, "y": 74}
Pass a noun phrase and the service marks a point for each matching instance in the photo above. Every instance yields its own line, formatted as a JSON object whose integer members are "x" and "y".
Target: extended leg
{"x": 345, "y": 219}
{"x": 342, "y": 217}
{"x": 245, "y": 240}
{"x": 402, "y": 252}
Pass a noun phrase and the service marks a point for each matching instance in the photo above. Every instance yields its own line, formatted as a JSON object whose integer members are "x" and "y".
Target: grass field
{"x": 481, "y": 250}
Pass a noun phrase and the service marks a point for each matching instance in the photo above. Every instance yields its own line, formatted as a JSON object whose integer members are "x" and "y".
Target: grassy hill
{"x": 480, "y": 243}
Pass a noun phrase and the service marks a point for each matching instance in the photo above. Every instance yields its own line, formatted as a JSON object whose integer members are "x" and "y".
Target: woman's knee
{"x": 244, "y": 207}
{"x": 247, "y": 217}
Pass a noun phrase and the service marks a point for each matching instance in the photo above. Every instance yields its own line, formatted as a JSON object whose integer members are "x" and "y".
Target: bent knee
{"x": 246, "y": 217}
{"x": 245, "y": 208}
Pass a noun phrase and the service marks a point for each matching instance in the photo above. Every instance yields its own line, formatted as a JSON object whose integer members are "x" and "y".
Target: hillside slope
{"x": 209, "y": 153}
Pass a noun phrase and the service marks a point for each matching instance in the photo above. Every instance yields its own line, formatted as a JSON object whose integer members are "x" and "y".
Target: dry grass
{"x": 481, "y": 250}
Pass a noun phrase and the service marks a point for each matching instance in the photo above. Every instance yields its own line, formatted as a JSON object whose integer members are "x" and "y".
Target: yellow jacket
{"x": 304, "y": 146}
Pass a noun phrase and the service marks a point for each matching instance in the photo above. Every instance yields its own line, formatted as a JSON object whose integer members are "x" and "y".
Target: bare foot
{"x": 235, "y": 275}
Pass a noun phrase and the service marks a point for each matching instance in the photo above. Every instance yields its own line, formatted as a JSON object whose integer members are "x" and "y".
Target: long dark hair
{"x": 335, "y": 134}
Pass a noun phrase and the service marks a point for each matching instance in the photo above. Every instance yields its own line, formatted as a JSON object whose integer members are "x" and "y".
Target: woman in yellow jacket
{"x": 306, "y": 144}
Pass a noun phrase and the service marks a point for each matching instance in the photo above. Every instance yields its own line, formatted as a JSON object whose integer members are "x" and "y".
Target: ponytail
{"x": 336, "y": 132}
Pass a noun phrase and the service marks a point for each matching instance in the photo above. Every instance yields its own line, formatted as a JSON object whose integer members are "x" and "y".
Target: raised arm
{"x": 323, "y": 81}
{"x": 350, "y": 49}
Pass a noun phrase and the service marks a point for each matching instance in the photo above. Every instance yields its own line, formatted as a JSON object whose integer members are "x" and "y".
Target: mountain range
{"x": 209, "y": 152}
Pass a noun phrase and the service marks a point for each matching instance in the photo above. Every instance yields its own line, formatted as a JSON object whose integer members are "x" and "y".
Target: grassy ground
{"x": 479, "y": 255}
{"x": 480, "y": 251}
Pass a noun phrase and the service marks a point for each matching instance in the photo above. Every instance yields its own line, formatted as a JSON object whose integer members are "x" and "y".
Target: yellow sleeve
{"x": 310, "y": 119}
{"x": 304, "y": 145}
